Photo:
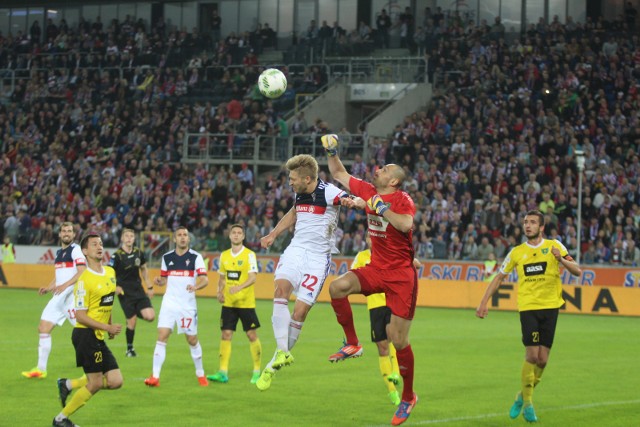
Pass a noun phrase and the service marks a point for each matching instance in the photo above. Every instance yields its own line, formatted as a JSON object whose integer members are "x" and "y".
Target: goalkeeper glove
{"x": 375, "y": 203}
{"x": 330, "y": 144}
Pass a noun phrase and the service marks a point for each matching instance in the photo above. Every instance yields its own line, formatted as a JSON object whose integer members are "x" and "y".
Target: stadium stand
{"x": 92, "y": 132}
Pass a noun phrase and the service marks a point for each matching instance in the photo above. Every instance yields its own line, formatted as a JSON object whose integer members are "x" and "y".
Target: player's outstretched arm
{"x": 285, "y": 222}
{"x": 336, "y": 168}
{"x": 483, "y": 308}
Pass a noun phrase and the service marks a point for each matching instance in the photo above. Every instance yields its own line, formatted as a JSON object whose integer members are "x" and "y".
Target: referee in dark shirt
{"x": 129, "y": 262}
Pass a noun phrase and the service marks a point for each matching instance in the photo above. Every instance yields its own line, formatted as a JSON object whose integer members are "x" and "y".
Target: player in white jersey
{"x": 184, "y": 272}
{"x": 69, "y": 264}
{"x": 304, "y": 265}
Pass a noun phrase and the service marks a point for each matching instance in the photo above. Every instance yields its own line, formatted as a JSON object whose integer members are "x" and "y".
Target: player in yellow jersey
{"x": 537, "y": 262}
{"x": 380, "y": 316}
{"x": 94, "y": 293}
{"x": 238, "y": 271}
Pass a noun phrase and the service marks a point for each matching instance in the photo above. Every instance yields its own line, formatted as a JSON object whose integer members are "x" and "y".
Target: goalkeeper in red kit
{"x": 390, "y": 212}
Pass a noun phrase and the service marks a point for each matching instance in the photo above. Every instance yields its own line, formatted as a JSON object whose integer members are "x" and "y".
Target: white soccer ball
{"x": 272, "y": 83}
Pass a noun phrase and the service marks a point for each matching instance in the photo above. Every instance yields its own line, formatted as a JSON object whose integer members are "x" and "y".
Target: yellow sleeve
{"x": 509, "y": 263}
{"x": 221, "y": 269}
{"x": 563, "y": 250}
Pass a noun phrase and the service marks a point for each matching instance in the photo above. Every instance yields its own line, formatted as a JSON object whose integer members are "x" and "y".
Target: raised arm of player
{"x": 336, "y": 168}
{"x": 287, "y": 221}
{"x": 483, "y": 308}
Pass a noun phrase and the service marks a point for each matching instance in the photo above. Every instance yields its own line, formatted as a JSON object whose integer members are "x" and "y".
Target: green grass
{"x": 467, "y": 372}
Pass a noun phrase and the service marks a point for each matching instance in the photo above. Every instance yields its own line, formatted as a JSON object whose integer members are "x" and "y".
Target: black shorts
{"x": 92, "y": 354}
{"x": 230, "y": 315}
{"x": 133, "y": 305}
{"x": 380, "y": 318}
{"x": 539, "y": 326}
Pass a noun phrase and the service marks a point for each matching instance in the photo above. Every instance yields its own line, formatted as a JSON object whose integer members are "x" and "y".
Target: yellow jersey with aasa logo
{"x": 539, "y": 283}
{"x": 374, "y": 300}
{"x": 235, "y": 268}
{"x": 95, "y": 292}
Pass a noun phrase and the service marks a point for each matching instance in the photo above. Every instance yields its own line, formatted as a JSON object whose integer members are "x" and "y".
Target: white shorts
{"x": 184, "y": 318}
{"x": 306, "y": 271}
{"x": 60, "y": 308}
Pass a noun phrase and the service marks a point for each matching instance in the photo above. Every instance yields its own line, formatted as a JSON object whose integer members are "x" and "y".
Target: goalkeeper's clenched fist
{"x": 376, "y": 204}
{"x": 330, "y": 144}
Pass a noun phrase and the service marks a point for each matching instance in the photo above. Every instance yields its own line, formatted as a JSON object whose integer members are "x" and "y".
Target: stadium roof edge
{"x": 51, "y": 4}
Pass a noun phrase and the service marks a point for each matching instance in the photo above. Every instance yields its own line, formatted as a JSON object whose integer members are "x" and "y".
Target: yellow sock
{"x": 538, "y": 375}
{"x": 528, "y": 377}
{"x": 256, "y": 354}
{"x": 80, "y": 382}
{"x": 105, "y": 383}
{"x": 225, "y": 355}
{"x": 385, "y": 370}
{"x": 394, "y": 359}
{"x": 78, "y": 400}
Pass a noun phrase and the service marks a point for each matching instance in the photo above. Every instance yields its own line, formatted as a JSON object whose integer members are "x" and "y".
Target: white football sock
{"x": 294, "y": 332}
{"x": 44, "y": 349}
{"x": 196, "y": 355}
{"x": 280, "y": 320}
{"x": 159, "y": 355}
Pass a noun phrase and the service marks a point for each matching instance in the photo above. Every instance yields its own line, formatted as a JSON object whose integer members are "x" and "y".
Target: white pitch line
{"x": 505, "y": 413}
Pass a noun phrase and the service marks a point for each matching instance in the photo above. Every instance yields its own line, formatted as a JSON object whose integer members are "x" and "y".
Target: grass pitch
{"x": 467, "y": 373}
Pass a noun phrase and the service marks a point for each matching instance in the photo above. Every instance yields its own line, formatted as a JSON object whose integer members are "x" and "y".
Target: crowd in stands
{"x": 502, "y": 133}
{"x": 499, "y": 138}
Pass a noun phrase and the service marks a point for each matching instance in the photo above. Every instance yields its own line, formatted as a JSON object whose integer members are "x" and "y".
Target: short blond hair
{"x": 304, "y": 164}
{"x": 127, "y": 230}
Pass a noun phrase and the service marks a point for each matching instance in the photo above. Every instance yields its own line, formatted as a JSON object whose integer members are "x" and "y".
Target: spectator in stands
{"x": 245, "y": 176}
{"x": 215, "y": 25}
{"x": 383, "y": 25}
{"x": 35, "y": 33}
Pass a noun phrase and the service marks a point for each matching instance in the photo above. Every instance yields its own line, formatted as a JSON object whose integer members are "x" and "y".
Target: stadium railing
{"x": 266, "y": 150}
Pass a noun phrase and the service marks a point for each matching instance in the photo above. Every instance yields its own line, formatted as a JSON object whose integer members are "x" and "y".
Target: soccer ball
{"x": 272, "y": 83}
